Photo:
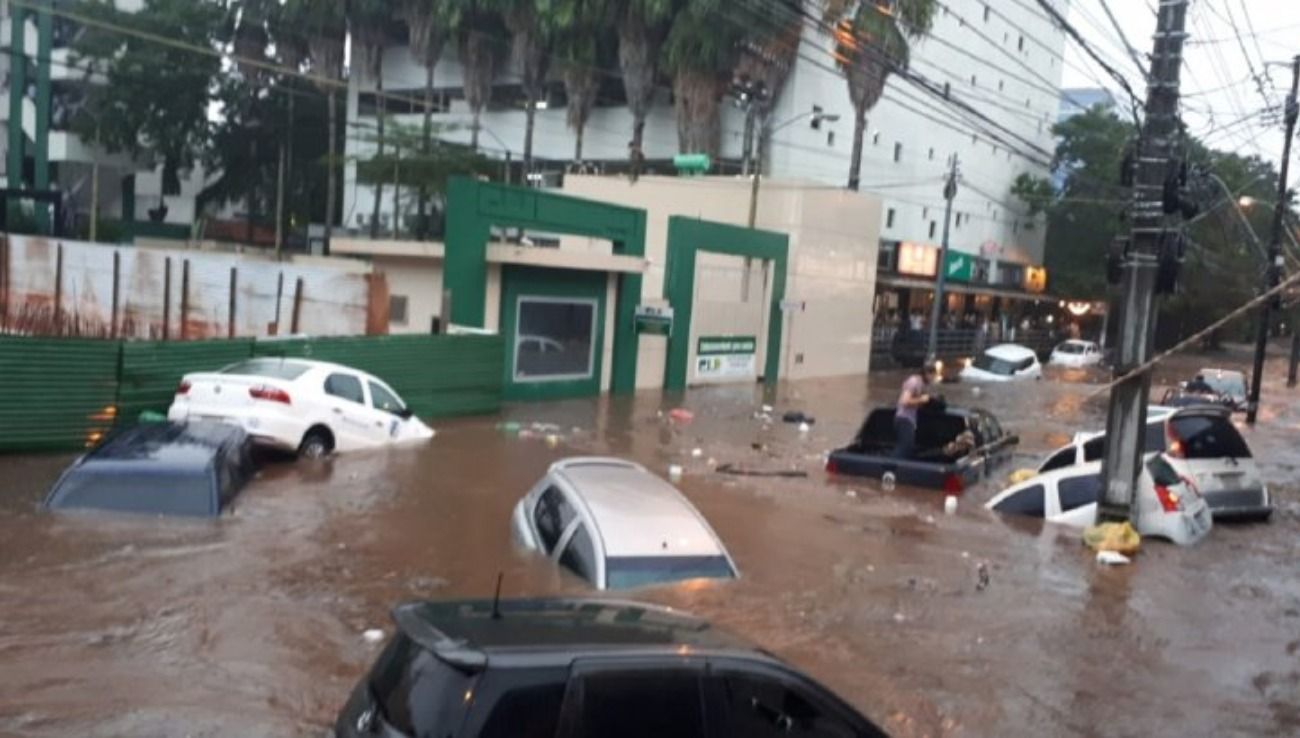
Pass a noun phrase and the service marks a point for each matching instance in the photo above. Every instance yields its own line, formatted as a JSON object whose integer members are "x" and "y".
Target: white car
{"x": 311, "y": 407}
{"x": 1167, "y": 505}
{"x": 1229, "y": 383}
{"x": 1203, "y": 445}
{"x": 616, "y": 525}
{"x": 1076, "y": 354}
{"x": 1003, "y": 363}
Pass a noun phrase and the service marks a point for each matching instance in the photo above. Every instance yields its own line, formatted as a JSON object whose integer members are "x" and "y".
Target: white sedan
{"x": 1003, "y": 363}
{"x": 1076, "y": 354}
{"x": 311, "y": 407}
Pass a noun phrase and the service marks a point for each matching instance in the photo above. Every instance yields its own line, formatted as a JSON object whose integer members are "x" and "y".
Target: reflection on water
{"x": 252, "y": 625}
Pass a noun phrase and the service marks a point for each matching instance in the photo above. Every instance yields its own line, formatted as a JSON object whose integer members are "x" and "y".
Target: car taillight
{"x": 832, "y": 467}
{"x": 1169, "y": 499}
{"x": 1174, "y": 443}
{"x": 183, "y": 388}
{"x": 953, "y": 484}
{"x": 270, "y": 394}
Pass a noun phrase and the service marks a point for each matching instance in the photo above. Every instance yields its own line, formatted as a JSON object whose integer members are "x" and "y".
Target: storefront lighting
{"x": 1077, "y": 309}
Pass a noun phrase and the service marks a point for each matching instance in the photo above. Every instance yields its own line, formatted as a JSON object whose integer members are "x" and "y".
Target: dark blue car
{"x": 191, "y": 469}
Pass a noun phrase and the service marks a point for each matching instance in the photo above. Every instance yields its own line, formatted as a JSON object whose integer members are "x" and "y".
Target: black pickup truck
{"x": 937, "y": 461}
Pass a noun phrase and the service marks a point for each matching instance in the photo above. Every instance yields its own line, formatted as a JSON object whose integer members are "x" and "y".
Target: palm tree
{"x": 642, "y": 25}
{"x": 429, "y": 24}
{"x": 325, "y": 23}
{"x": 580, "y": 47}
{"x": 369, "y": 20}
{"x": 871, "y": 41}
{"x": 530, "y": 48}
{"x": 480, "y": 39}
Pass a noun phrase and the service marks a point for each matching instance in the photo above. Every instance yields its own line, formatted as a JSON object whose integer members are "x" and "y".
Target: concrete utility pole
{"x": 949, "y": 193}
{"x": 1127, "y": 416}
{"x": 1273, "y": 273}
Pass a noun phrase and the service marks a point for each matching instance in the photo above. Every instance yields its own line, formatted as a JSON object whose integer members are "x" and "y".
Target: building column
{"x": 17, "y": 91}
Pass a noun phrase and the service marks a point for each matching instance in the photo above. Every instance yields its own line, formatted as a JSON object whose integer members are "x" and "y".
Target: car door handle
{"x": 338, "y": 411}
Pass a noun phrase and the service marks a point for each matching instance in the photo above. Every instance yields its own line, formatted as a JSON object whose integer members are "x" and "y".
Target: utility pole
{"x": 1273, "y": 272}
{"x": 1127, "y": 415}
{"x": 949, "y": 193}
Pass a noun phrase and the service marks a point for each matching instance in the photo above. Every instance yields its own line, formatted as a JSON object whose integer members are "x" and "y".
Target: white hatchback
{"x": 1166, "y": 505}
{"x": 311, "y": 407}
{"x": 1003, "y": 363}
{"x": 616, "y": 525}
{"x": 1076, "y": 354}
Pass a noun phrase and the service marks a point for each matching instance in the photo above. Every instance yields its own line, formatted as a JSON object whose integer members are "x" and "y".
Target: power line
{"x": 1073, "y": 33}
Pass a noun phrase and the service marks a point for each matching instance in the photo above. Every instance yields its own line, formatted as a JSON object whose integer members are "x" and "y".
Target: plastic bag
{"x": 1117, "y": 537}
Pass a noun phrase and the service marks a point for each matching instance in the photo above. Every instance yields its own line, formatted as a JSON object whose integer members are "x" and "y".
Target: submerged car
{"x": 1228, "y": 384}
{"x": 616, "y": 525}
{"x": 1203, "y": 445}
{"x": 194, "y": 469}
{"x": 310, "y": 407}
{"x": 955, "y": 447}
{"x": 1166, "y": 504}
{"x": 1005, "y": 362}
{"x": 571, "y": 668}
{"x": 1076, "y": 354}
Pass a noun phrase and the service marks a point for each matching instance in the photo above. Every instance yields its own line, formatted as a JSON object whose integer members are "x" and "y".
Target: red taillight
{"x": 1169, "y": 499}
{"x": 270, "y": 394}
{"x": 183, "y": 388}
{"x": 832, "y": 467}
{"x": 953, "y": 484}
{"x": 1174, "y": 443}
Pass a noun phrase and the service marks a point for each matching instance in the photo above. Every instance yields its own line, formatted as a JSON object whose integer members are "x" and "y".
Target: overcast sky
{"x": 1218, "y": 88}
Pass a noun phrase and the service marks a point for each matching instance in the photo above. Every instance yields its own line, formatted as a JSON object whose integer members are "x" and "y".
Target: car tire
{"x": 317, "y": 444}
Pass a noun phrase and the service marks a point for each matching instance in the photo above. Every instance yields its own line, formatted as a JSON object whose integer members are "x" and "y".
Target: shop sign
{"x": 917, "y": 260}
{"x": 1035, "y": 279}
{"x": 654, "y": 320}
{"x": 958, "y": 267}
{"x": 726, "y": 357}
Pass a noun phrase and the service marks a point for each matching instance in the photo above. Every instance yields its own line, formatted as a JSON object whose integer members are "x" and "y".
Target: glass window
{"x": 271, "y": 368}
{"x": 623, "y": 572}
{"x": 579, "y": 556}
{"x": 415, "y": 692}
{"x": 1154, "y": 441}
{"x": 1233, "y": 385}
{"x": 398, "y": 306}
{"x": 552, "y": 516}
{"x": 345, "y": 386}
{"x": 1059, "y": 460}
{"x": 555, "y": 339}
{"x": 758, "y": 707}
{"x": 642, "y": 704}
{"x": 898, "y": 151}
{"x": 994, "y": 365}
{"x": 1028, "y": 501}
{"x": 527, "y": 711}
{"x": 1162, "y": 472}
{"x": 384, "y": 400}
{"x": 1095, "y": 449}
{"x": 1079, "y": 491}
{"x": 1209, "y": 437}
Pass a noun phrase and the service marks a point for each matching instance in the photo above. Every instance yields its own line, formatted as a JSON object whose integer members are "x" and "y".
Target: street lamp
{"x": 764, "y": 134}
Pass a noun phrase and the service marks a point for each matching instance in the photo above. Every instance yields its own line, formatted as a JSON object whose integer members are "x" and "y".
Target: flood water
{"x": 252, "y": 625}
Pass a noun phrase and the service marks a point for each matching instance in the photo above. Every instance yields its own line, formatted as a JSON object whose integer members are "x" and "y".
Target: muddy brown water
{"x": 252, "y": 625}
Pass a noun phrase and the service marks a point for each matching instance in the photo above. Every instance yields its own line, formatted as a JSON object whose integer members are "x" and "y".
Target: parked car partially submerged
{"x": 616, "y": 525}
{"x": 1007, "y": 362}
{"x": 192, "y": 469}
{"x": 574, "y": 668}
{"x": 954, "y": 448}
{"x": 1166, "y": 504}
{"x": 1076, "y": 354}
{"x": 1229, "y": 384}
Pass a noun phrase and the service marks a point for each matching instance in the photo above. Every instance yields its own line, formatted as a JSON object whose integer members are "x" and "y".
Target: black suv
{"x": 581, "y": 668}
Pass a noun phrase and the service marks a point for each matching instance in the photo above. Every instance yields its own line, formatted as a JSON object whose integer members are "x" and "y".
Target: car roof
{"x": 1207, "y": 371}
{"x": 1047, "y": 479}
{"x": 177, "y": 445}
{"x": 468, "y": 632}
{"x": 635, "y": 512}
{"x": 308, "y": 363}
{"x": 1009, "y": 352}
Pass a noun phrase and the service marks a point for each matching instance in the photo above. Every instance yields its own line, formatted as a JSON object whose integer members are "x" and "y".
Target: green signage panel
{"x": 959, "y": 267}
{"x": 715, "y": 345}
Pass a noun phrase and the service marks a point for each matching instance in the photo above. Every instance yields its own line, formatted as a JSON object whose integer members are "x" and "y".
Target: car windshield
{"x": 1227, "y": 384}
{"x": 271, "y": 368}
{"x": 1209, "y": 437}
{"x": 1070, "y": 348}
{"x": 622, "y": 572}
{"x": 994, "y": 365}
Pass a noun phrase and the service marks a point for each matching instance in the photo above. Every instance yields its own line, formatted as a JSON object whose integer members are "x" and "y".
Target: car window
{"x": 579, "y": 556}
{"x": 994, "y": 365}
{"x": 1059, "y": 460}
{"x": 529, "y": 707}
{"x": 346, "y": 387}
{"x": 759, "y": 707}
{"x": 1162, "y": 472}
{"x": 1079, "y": 491}
{"x": 382, "y": 399}
{"x": 623, "y": 572}
{"x": 415, "y": 692}
{"x": 1209, "y": 437}
{"x": 1028, "y": 501}
{"x": 1024, "y": 364}
{"x": 1154, "y": 440}
{"x": 642, "y": 704}
{"x": 552, "y": 516}
{"x": 1094, "y": 449}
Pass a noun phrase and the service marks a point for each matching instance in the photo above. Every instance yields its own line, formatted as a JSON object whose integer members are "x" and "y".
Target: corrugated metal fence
{"x": 63, "y": 394}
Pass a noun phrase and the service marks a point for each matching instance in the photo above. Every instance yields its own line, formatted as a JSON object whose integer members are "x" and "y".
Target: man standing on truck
{"x": 910, "y": 401}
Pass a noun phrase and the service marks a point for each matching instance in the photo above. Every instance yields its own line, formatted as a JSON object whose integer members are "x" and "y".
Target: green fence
{"x": 56, "y": 393}
{"x": 62, "y": 394}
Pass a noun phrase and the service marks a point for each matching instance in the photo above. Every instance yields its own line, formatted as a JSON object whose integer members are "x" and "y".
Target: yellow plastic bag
{"x": 1118, "y": 537}
{"x": 1021, "y": 475}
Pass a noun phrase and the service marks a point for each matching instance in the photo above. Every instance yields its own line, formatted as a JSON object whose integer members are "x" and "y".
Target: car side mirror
{"x": 405, "y": 413}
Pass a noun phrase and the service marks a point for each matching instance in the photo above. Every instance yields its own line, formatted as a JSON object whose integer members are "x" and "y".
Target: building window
{"x": 931, "y": 154}
{"x": 398, "y": 310}
{"x": 1002, "y": 83}
{"x": 933, "y": 226}
{"x": 986, "y": 13}
{"x": 973, "y": 139}
{"x": 889, "y": 218}
{"x": 1021, "y": 45}
{"x": 554, "y": 339}
{"x": 925, "y": 213}
{"x": 875, "y": 138}
{"x": 830, "y": 138}
{"x": 898, "y": 151}
{"x": 947, "y": 90}
{"x": 1011, "y": 275}
{"x": 972, "y": 81}
{"x": 958, "y": 220}
{"x": 979, "y": 270}
{"x": 887, "y": 257}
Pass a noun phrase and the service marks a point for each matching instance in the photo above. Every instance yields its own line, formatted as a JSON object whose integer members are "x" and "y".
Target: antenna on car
{"x": 496, "y": 599}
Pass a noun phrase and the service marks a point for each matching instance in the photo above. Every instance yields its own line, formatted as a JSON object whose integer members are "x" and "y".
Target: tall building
{"x": 999, "y": 66}
{"x": 44, "y": 92}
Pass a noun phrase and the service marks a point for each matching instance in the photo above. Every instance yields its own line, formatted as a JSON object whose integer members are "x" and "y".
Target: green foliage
{"x": 405, "y": 164}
